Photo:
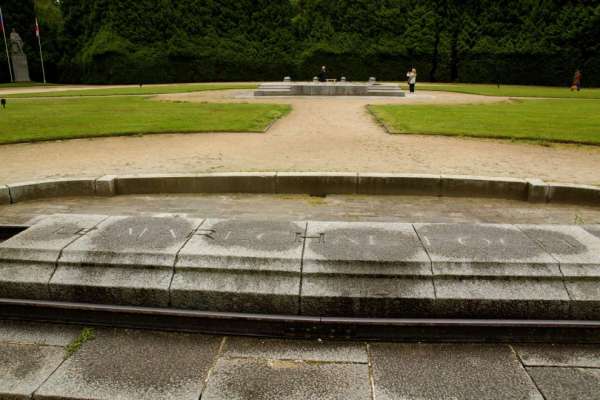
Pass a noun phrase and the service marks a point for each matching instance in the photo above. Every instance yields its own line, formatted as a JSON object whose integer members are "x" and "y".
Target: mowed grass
{"x": 136, "y": 90}
{"x": 512, "y": 90}
{"x": 49, "y": 119}
{"x": 566, "y": 121}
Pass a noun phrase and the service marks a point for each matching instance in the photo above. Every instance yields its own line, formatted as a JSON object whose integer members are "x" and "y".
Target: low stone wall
{"x": 312, "y": 268}
{"x": 311, "y": 183}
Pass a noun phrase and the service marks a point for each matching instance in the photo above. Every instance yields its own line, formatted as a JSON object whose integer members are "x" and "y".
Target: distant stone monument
{"x": 19, "y": 59}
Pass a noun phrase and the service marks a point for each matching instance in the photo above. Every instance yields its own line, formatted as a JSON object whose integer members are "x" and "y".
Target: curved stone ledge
{"x": 311, "y": 183}
{"x": 325, "y": 269}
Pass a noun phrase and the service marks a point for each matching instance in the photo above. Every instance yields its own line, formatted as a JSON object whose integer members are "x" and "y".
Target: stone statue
{"x": 19, "y": 59}
{"x": 16, "y": 43}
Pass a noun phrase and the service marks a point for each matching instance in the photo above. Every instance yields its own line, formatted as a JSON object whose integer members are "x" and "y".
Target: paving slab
{"x": 485, "y": 270}
{"x": 306, "y": 350}
{"x": 448, "y": 371}
{"x": 28, "y": 260}
{"x": 559, "y": 355}
{"x": 567, "y": 383}
{"x": 593, "y": 229}
{"x": 24, "y": 367}
{"x": 126, "y": 260}
{"x": 126, "y": 364}
{"x": 257, "y": 379}
{"x": 244, "y": 266}
{"x": 578, "y": 252}
{"x": 365, "y": 269}
{"x": 37, "y": 333}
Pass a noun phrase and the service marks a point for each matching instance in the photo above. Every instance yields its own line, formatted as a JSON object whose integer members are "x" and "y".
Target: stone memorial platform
{"x": 329, "y": 89}
{"x": 322, "y": 269}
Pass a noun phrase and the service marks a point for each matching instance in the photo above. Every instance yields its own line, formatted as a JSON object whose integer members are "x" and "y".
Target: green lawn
{"x": 512, "y": 90}
{"x": 48, "y": 119}
{"x": 544, "y": 120}
{"x": 136, "y": 90}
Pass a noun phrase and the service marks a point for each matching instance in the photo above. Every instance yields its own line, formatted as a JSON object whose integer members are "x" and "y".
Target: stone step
{"x": 348, "y": 269}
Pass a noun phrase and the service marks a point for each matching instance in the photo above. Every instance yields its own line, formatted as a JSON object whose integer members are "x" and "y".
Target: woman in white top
{"x": 412, "y": 79}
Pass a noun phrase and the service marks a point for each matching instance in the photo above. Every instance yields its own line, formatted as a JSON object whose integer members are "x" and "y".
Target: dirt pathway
{"x": 321, "y": 134}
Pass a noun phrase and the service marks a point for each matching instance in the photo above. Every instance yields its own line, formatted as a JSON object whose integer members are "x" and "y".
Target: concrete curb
{"x": 4, "y": 195}
{"x": 311, "y": 183}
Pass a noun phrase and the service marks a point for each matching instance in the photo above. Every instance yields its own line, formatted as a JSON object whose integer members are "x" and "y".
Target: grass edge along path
{"x": 34, "y": 120}
{"x": 558, "y": 120}
{"x": 135, "y": 90}
{"x": 511, "y": 90}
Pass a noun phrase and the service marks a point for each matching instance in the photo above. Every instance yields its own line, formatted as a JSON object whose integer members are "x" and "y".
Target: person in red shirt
{"x": 577, "y": 81}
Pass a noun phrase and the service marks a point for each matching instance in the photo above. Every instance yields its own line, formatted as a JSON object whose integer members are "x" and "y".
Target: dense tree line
{"x": 506, "y": 41}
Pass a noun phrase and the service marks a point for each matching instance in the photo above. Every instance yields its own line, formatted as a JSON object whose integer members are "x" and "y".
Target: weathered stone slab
{"x": 249, "y": 266}
{"x": 274, "y": 349}
{"x": 447, "y": 371}
{"x": 134, "y": 365}
{"x": 24, "y": 367}
{"x": 4, "y": 195}
{"x": 239, "y": 182}
{"x": 365, "y": 269}
{"x": 52, "y": 188}
{"x": 477, "y": 186}
{"x": 399, "y": 184}
{"x": 126, "y": 260}
{"x": 567, "y": 383}
{"x": 579, "y": 255}
{"x": 28, "y": 260}
{"x": 260, "y": 379}
{"x": 37, "y": 333}
{"x": 485, "y": 250}
{"x": 483, "y": 270}
{"x": 316, "y": 183}
{"x": 559, "y": 355}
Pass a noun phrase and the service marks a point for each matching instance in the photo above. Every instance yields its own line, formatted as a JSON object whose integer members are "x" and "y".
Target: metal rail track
{"x": 293, "y": 326}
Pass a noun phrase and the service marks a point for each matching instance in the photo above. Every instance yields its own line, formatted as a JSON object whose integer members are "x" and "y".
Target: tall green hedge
{"x": 508, "y": 41}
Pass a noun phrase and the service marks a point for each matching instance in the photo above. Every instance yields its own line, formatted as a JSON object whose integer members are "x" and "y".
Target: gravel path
{"x": 321, "y": 134}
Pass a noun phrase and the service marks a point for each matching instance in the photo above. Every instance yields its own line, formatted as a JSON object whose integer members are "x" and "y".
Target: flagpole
{"x": 6, "y": 45}
{"x": 37, "y": 31}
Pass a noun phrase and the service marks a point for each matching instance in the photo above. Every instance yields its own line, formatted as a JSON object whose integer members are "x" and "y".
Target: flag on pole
{"x": 37, "y": 33}
{"x": 6, "y": 45}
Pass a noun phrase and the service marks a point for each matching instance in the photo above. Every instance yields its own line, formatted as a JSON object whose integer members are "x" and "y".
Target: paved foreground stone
{"x": 567, "y": 383}
{"x": 447, "y": 371}
{"x": 24, "y": 367}
{"x": 124, "y": 364}
{"x": 245, "y": 379}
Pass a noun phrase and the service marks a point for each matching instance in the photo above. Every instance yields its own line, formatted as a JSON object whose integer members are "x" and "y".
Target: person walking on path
{"x": 412, "y": 79}
{"x": 577, "y": 81}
